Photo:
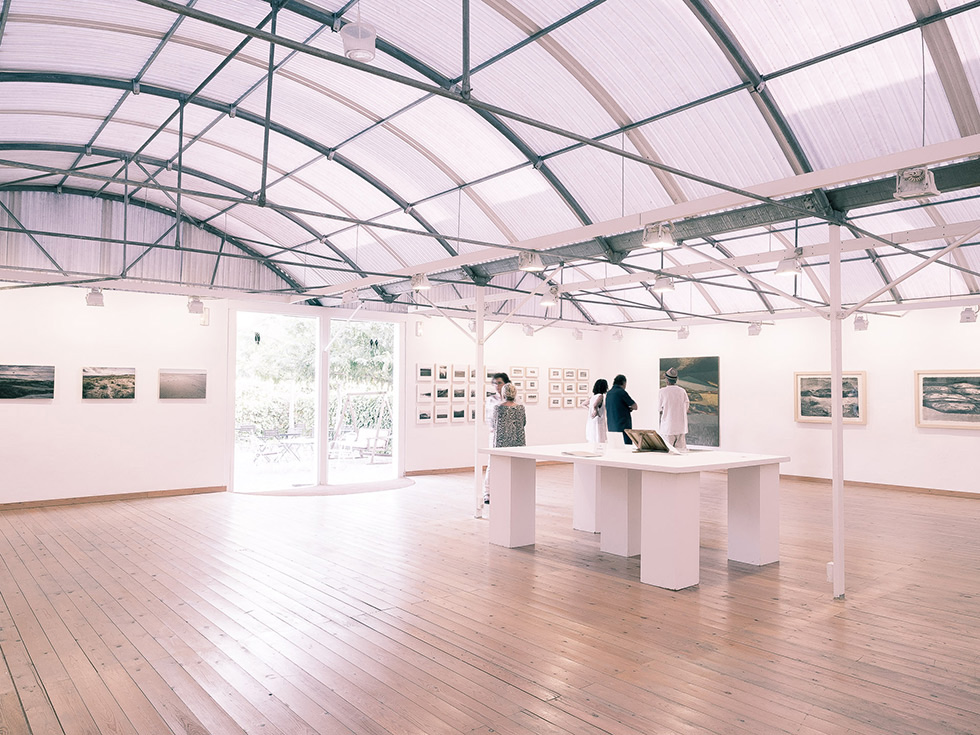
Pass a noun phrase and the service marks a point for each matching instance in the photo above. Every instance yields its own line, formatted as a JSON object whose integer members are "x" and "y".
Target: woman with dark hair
{"x": 595, "y": 425}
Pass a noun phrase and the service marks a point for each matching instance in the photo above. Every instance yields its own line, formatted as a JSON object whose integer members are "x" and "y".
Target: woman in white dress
{"x": 595, "y": 425}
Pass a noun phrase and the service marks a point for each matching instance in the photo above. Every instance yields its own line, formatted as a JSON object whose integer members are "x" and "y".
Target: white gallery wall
{"x": 69, "y": 447}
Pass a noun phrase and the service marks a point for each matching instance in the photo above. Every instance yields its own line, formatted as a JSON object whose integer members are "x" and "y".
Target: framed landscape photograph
{"x": 461, "y": 373}
{"x": 583, "y": 374}
{"x": 26, "y": 381}
{"x": 531, "y": 384}
{"x": 531, "y": 398}
{"x": 569, "y": 387}
{"x": 568, "y": 401}
{"x": 442, "y": 394}
{"x": 183, "y": 384}
{"x": 115, "y": 383}
{"x": 554, "y": 373}
{"x": 569, "y": 373}
{"x": 423, "y": 414}
{"x": 531, "y": 372}
{"x": 442, "y": 373}
{"x": 459, "y": 393}
{"x": 554, "y": 401}
{"x": 458, "y": 414}
{"x": 424, "y": 394}
{"x": 813, "y": 397}
{"x": 699, "y": 376}
{"x": 947, "y": 399}
{"x": 554, "y": 387}
{"x": 423, "y": 371}
{"x": 441, "y": 415}
{"x": 582, "y": 388}
{"x": 471, "y": 413}
{"x": 516, "y": 372}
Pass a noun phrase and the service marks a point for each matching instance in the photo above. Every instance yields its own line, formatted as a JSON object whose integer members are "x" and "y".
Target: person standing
{"x": 595, "y": 425}
{"x": 489, "y": 414}
{"x": 509, "y": 420}
{"x": 619, "y": 408}
{"x": 672, "y": 404}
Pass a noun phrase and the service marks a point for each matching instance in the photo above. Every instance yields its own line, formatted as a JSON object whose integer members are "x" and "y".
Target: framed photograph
{"x": 699, "y": 376}
{"x": 183, "y": 384}
{"x": 568, "y": 401}
{"x": 531, "y": 372}
{"x": 554, "y": 373}
{"x": 26, "y": 381}
{"x": 569, "y": 388}
{"x": 424, "y": 394}
{"x": 459, "y": 393}
{"x": 554, "y": 401}
{"x": 472, "y": 371}
{"x": 458, "y": 413}
{"x": 516, "y": 372}
{"x": 583, "y": 374}
{"x": 947, "y": 399}
{"x": 461, "y": 373}
{"x": 442, "y": 373}
{"x": 423, "y": 414}
{"x": 441, "y": 415}
{"x": 554, "y": 387}
{"x": 471, "y": 413}
{"x": 569, "y": 373}
{"x": 471, "y": 392}
{"x": 530, "y": 384}
{"x": 813, "y": 397}
{"x": 531, "y": 397}
{"x": 490, "y": 374}
{"x": 424, "y": 371}
{"x": 101, "y": 382}
{"x": 519, "y": 384}
{"x": 442, "y": 394}
{"x": 582, "y": 388}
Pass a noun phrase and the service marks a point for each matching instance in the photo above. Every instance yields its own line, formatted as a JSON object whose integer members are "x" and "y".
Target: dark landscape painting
{"x": 948, "y": 399}
{"x": 26, "y": 381}
{"x": 699, "y": 376}
{"x": 186, "y": 384}
{"x": 103, "y": 382}
{"x": 813, "y": 397}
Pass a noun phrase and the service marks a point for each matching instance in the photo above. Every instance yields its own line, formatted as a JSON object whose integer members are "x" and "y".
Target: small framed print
{"x": 568, "y": 401}
{"x": 471, "y": 391}
{"x": 472, "y": 371}
{"x": 519, "y": 384}
{"x": 531, "y": 397}
{"x": 531, "y": 372}
{"x": 490, "y": 374}
{"x": 582, "y": 388}
{"x": 531, "y": 385}
{"x": 461, "y": 373}
{"x": 441, "y": 415}
{"x": 554, "y": 373}
{"x": 442, "y": 373}
{"x": 423, "y": 371}
{"x": 490, "y": 392}
{"x": 442, "y": 395}
{"x": 569, "y": 373}
{"x": 569, "y": 388}
{"x": 583, "y": 374}
{"x": 516, "y": 372}
{"x": 459, "y": 393}
{"x": 554, "y": 402}
{"x": 471, "y": 413}
{"x": 458, "y": 413}
{"x": 554, "y": 387}
{"x": 423, "y": 414}
{"x": 425, "y": 393}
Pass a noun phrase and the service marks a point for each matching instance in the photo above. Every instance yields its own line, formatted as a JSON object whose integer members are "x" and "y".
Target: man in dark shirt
{"x": 619, "y": 406}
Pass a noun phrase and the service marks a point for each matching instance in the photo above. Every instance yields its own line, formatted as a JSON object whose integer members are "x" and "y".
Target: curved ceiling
{"x": 228, "y": 146}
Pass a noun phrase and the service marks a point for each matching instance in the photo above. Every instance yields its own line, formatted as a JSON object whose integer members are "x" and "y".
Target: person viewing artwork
{"x": 595, "y": 424}
{"x": 619, "y": 408}
{"x": 672, "y": 405}
{"x": 509, "y": 420}
{"x": 489, "y": 415}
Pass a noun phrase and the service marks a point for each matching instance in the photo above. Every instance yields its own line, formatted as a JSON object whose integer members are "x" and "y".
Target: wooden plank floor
{"x": 388, "y": 612}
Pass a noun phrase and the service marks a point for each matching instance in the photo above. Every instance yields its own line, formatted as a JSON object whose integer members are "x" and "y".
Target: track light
{"x": 529, "y": 261}
{"x": 528, "y": 330}
{"x": 577, "y": 334}
{"x": 860, "y": 323}
{"x": 618, "y": 335}
{"x": 420, "y": 282}
{"x": 94, "y": 298}
{"x": 658, "y": 235}
{"x": 790, "y": 265}
{"x": 663, "y": 283}
{"x": 755, "y": 329}
{"x": 350, "y": 298}
{"x": 683, "y": 333}
{"x": 195, "y": 305}
{"x": 550, "y": 297}
{"x": 968, "y": 316}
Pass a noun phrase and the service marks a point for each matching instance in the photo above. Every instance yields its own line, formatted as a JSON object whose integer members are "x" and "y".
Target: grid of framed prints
{"x": 445, "y": 393}
{"x": 527, "y": 381}
{"x": 568, "y": 387}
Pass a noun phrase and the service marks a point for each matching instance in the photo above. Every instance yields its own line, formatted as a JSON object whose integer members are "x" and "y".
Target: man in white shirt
{"x": 672, "y": 405}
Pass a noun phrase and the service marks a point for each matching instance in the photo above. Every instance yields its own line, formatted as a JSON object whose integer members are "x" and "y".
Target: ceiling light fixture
{"x": 528, "y": 330}
{"x": 860, "y": 323}
{"x": 420, "y": 282}
{"x": 618, "y": 335}
{"x": 358, "y": 39}
{"x": 790, "y": 265}
{"x": 663, "y": 283}
{"x": 472, "y": 325}
{"x": 195, "y": 305}
{"x": 658, "y": 235}
{"x": 94, "y": 298}
{"x": 755, "y": 329}
{"x": 913, "y": 183}
{"x": 577, "y": 334}
{"x": 967, "y": 316}
{"x": 683, "y": 333}
{"x": 550, "y": 297}
{"x": 529, "y": 261}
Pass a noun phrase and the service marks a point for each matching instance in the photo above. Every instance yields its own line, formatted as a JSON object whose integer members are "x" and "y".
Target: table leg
{"x": 619, "y": 509}
{"x": 585, "y": 494}
{"x": 753, "y": 514}
{"x": 512, "y": 501}
{"x": 670, "y": 554}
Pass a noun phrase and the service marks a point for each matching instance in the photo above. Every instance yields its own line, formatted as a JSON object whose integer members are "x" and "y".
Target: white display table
{"x": 646, "y": 503}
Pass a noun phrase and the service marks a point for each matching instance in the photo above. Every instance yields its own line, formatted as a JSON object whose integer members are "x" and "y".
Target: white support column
{"x": 837, "y": 410}
{"x": 322, "y": 431}
{"x": 478, "y": 426}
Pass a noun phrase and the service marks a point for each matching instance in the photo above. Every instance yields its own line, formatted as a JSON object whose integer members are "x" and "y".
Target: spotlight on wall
{"x": 195, "y": 305}
{"x": 658, "y": 235}
{"x": 206, "y": 318}
{"x": 350, "y": 298}
{"x": 618, "y": 335}
{"x": 550, "y": 297}
{"x": 420, "y": 282}
{"x": 967, "y": 316}
{"x": 663, "y": 283}
{"x": 529, "y": 261}
{"x": 683, "y": 333}
{"x": 577, "y": 334}
{"x": 528, "y": 330}
{"x": 755, "y": 329}
{"x": 860, "y": 323}
{"x": 94, "y": 298}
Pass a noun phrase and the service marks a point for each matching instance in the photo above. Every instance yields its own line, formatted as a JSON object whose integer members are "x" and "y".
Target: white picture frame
{"x": 582, "y": 388}
{"x": 554, "y": 401}
{"x": 441, "y": 414}
{"x": 531, "y": 384}
{"x": 569, "y": 374}
{"x": 425, "y": 393}
{"x": 424, "y": 414}
{"x": 442, "y": 373}
{"x": 424, "y": 371}
{"x": 569, "y": 388}
{"x": 459, "y": 393}
{"x": 555, "y": 387}
{"x": 457, "y": 413}
{"x": 531, "y": 397}
{"x": 516, "y": 372}
{"x": 531, "y": 372}
{"x": 554, "y": 373}
{"x": 583, "y": 374}
{"x": 460, "y": 373}
{"x": 442, "y": 393}
{"x": 568, "y": 401}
